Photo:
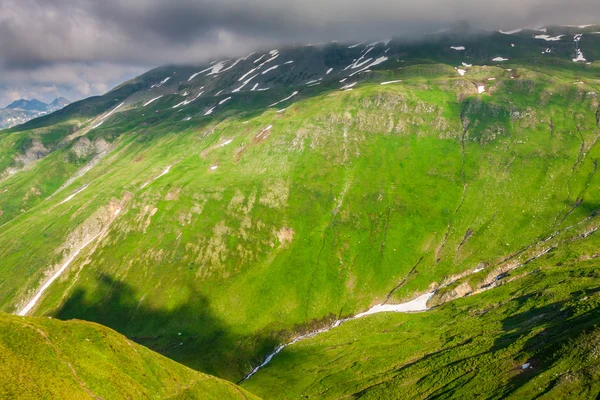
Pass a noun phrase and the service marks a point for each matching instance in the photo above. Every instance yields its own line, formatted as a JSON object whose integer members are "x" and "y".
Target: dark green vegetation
{"x": 212, "y": 237}
{"x": 45, "y": 358}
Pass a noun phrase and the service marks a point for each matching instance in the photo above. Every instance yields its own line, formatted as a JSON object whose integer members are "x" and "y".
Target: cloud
{"x": 73, "y": 80}
{"x": 47, "y": 37}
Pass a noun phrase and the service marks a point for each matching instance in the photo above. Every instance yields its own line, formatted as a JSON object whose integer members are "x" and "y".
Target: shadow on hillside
{"x": 558, "y": 324}
{"x": 189, "y": 333}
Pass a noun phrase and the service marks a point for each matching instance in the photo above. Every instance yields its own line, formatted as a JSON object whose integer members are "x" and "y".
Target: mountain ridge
{"x": 213, "y": 213}
{"x": 21, "y": 111}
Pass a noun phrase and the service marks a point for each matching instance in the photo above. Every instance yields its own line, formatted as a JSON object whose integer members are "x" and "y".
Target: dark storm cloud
{"x": 90, "y": 44}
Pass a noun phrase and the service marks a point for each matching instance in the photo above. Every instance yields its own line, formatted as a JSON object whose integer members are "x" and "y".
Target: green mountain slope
{"x": 212, "y": 222}
{"x": 534, "y": 336}
{"x": 46, "y": 358}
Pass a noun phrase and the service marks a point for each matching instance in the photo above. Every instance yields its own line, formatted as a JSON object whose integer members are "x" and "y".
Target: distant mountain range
{"x": 21, "y": 111}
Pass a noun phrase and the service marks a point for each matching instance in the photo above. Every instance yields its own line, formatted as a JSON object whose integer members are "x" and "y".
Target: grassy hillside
{"x": 46, "y": 358}
{"x": 215, "y": 230}
{"x": 534, "y": 336}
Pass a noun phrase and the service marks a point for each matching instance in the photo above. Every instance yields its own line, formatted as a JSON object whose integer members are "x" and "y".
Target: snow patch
{"x": 25, "y": 310}
{"x": 151, "y": 101}
{"x": 74, "y": 194}
{"x": 244, "y": 84}
{"x": 355, "y": 45}
{"x": 268, "y": 128}
{"x": 270, "y": 69}
{"x": 376, "y": 62}
{"x": 287, "y": 98}
{"x": 549, "y": 38}
{"x": 390, "y": 82}
{"x": 418, "y": 304}
{"x": 328, "y": 71}
{"x": 480, "y": 89}
{"x": 461, "y": 72}
{"x": 510, "y": 32}
{"x": 214, "y": 69}
{"x": 578, "y": 53}
{"x": 107, "y": 115}
{"x": 186, "y": 102}
{"x": 159, "y": 84}
{"x": 498, "y": 59}
{"x": 458, "y": 48}
{"x": 210, "y": 111}
{"x": 225, "y": 100}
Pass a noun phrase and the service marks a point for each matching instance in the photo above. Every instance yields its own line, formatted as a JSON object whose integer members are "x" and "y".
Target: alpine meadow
{"x": 394, "y": 219}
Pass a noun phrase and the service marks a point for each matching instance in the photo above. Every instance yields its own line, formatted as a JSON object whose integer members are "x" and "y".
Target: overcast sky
{"x": 79, "y": 48}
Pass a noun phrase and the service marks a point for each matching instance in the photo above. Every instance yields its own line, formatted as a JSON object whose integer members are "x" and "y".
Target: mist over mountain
{"x": 278, "y": 200}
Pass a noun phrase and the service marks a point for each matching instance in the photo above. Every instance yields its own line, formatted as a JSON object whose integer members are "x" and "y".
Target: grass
{"x": 322, "y": 216}
{"x": 44, "y": 358}
{"x": 545, "y": 315}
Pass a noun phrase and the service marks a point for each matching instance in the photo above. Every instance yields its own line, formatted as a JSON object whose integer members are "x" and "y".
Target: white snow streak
{"x": 213, "y": 70}
{"x": 269, "y": 69}
{"x": 549, "y": 38}
{"x": 418, "y": 304}
{"x": 186, "y": 102}
{"x": 244, "y": 84}
{"x": 107, "y": 115}
{"x": 166, "y": 171}
{"x": 579, "y": 55}
{"x": 287, "y": 98}
{"x": 247, "y": 73}
{"x": 511, "y": 32}
{"x": 376, "y": 62}
{"x": 458, "y": 48}
{"x": 151, "y": 101}
{"x": 224, "y": 100}
{"x": 389, "y": 82}
{"x": 74, "y": 194}
{"x": 157, "y": 85}
{"x": 25, "y": 310}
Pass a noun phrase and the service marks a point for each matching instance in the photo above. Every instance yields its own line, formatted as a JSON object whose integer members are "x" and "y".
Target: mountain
{"x": 58, "y": 103}
{"x": 21, "y": 111}
{"x": 46, "y": 358}
{"x": 216, "y": 213}
{"x": 28, "y": 105}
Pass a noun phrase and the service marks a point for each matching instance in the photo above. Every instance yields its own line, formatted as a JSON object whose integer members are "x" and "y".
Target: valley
{"x": 389, "y": 219}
